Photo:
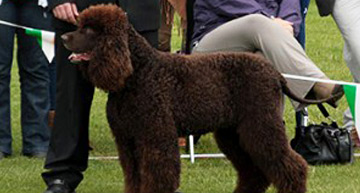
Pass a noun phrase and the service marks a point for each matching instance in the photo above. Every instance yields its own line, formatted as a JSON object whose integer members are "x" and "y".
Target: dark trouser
{"x": 52, "y": 86}
{"x": 69, "y": 144}
{"x": 34, "y": 78}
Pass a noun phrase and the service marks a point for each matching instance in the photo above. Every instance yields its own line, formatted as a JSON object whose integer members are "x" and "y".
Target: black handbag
{"x": 323, "y": 143}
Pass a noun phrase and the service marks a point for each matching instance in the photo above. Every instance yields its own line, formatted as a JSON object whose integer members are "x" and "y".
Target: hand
{"x": 287, "y": 25}
{"x": 66, "y": 12}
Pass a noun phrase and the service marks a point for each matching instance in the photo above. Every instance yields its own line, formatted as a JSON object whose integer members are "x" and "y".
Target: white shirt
{"x": 42, "y": 3}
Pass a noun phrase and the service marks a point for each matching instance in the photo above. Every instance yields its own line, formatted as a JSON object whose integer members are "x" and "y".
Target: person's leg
{"x": 8, "y": 13}
{"x": 304, "y": 4}
{"x": 52, "y": 93}
{"x": 52, "y": 83}
{"x": 34, "y": 79}
{"x": 347, "y": 17}
{"x": 69, "y": 144}
{"x": 300, "y": 116}
{"x": 256, "y": 32}
{"x": 167, "y": 15}
{"x": 151, "y": 36}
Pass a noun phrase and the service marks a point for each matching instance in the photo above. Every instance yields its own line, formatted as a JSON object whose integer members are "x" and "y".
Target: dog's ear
{"x": 111, "y": 64}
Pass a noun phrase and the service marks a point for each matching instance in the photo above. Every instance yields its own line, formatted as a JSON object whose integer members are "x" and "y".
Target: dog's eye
{"x": 82, "y": 30}
{"x": 87, "y": 30}
{"x": 90, "y": 31}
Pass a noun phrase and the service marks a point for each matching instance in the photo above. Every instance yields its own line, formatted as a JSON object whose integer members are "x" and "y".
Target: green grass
{"x": 324, "y": 46}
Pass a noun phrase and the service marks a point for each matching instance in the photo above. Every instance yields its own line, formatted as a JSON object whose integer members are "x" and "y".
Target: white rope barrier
{"x": 183, "y": 156}
{"x": 20, "y": 26}
{"x": 12, "y": 25}
{"x": 290, "y": 76}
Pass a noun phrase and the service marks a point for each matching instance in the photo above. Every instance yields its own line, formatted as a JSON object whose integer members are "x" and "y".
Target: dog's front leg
{"x": 130, "y": 165}
{"x": 160, "y": 160}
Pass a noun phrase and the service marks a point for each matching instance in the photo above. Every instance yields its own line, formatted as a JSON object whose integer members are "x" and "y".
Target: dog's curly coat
{"x": 153, "y": 95}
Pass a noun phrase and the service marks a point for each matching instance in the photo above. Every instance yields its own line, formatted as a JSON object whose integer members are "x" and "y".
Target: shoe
{"x": 336, "y": 94}
{"x": 326, "y": 90}
{"x": 51, "y": 117}
{"x": 181, "y": 142}
{"x": 3, "y": 155}
{"x": 355, "y": 138}
{"x": 322, "y": 90}
{"x": 58, "y": 186}
{"x": 38, "y": 155}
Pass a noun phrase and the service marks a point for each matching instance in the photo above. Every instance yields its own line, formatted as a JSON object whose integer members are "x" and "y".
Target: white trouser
{"x": 347, "y": 17}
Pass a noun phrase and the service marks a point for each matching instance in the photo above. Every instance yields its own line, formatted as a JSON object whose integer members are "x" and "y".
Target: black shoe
{"x": 38, "y": 155}
{"x": 58, "y": 186}
{"x": 3, "y": 155}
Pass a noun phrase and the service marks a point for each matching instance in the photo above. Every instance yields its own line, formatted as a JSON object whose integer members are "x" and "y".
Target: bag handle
{"x": 327, "y": 115}
{"x": 323, "y": 110}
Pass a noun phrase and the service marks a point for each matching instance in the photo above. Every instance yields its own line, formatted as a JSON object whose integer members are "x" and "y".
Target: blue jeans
{"x": 304, "y": 8}
{"x": 33, "y": 72}
{"x": 301, "y": 39}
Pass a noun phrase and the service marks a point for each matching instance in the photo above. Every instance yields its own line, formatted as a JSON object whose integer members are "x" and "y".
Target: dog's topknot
{"x": 103, "y": 18}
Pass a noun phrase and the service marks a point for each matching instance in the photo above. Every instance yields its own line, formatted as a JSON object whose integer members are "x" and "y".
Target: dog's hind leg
{"x": 250, "y": 178}
{"x": 291, "y": 172}
{"x": 268, "y": 147}
{"x": 288, "y": 174}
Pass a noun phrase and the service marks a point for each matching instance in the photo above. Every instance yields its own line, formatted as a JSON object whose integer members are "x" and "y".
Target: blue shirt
{"x": 209, "y": 14}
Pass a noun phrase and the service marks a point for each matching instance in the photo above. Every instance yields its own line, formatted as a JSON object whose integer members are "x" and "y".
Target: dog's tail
{"x": 293, "y": 96}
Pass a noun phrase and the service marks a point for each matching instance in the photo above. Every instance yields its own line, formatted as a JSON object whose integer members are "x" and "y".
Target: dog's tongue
{"x": 77, "y": 58}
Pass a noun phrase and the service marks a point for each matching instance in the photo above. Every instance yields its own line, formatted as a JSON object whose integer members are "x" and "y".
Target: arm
{"x": 290, "y": 11}
{"x": 236, "y": 8}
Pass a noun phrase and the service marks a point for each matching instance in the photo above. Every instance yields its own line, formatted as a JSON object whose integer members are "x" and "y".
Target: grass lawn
{"x": 324, "y": 46}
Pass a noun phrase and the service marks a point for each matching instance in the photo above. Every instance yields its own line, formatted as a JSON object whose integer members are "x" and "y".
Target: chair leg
{"x": 302, "y": 117}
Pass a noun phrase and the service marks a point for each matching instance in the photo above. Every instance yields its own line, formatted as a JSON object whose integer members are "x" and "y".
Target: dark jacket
{"x": 325, "y": 7}
{"x": 142, "y": 20}
{"x": 210, "y": 14}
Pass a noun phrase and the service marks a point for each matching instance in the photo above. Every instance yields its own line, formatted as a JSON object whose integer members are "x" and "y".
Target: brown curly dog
{"x": 152, "y": 95}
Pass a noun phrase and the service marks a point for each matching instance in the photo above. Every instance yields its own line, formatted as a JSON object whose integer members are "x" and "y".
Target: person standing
{"x": 34, "y": 77}
{"x": 347, "y": 18}
{"x": 69, "y": 144}
{"x": 346, "y": 14}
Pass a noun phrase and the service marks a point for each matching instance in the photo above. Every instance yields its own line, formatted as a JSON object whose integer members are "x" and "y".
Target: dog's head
{"x": 101, "y": 41}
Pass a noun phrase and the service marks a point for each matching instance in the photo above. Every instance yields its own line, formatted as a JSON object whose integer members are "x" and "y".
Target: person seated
{"x": 265, "y": 27}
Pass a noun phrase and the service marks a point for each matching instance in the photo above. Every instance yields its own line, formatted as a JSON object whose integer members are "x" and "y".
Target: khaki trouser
{"x": 257, "y": 33}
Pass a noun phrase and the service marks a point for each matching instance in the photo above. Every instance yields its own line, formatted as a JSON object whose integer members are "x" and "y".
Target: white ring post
{"x": 191, "y": 144}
